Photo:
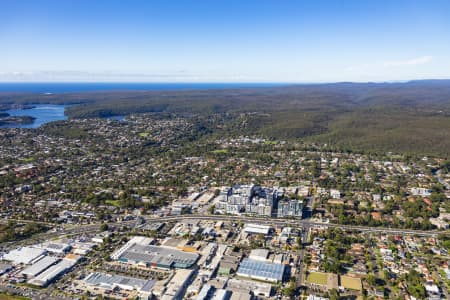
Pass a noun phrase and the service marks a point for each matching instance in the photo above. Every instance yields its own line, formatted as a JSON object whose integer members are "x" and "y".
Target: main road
{"x": 303, "y": 223}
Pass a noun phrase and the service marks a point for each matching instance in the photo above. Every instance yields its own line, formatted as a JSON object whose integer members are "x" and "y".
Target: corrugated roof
{"x": 55, "y": 270}
{"x": 254, "y": 268}
{"x": 110, "y": 281}
{"x": 24, "y": 255}
{"x": 40, "y": 266}
{"x": 158, "y": 255}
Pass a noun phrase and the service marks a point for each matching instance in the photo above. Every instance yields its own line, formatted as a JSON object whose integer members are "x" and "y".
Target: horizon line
{"x": 223, "y": 82}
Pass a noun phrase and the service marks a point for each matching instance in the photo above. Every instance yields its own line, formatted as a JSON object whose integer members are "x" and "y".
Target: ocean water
{"x": 44, "y": 113}
{"x": 51, "y": 87}
{"x": 48, "y": 113}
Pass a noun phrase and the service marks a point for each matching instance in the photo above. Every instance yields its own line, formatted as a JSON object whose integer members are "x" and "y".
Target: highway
{"x": 304, "y": 223}
{"x": 69, "y": 230}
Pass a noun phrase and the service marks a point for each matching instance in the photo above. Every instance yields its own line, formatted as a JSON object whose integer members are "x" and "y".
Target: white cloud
{"x": 409, "y": 62}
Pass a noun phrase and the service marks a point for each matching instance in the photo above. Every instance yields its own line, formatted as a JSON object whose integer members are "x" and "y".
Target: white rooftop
{"x": 259, "y": 254}
{"x": 39, "y": 266}
{"x": 255, "y": 228}
{"x": 108, "y": 281}
{"x": 24, "y": 255}
{"x": 52, "y": 272}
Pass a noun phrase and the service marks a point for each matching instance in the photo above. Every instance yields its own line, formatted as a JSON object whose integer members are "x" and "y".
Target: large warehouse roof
{"x": 158, "y": 256}
{"x": 51, "y": 273}
{"x": 107, "y": 281}
{"x": 261, "y": 270}
{"x": 40, "y": 266}
{"x": 24, "y": 255}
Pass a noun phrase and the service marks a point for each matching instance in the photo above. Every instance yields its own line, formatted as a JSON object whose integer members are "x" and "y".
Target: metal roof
{"x": 52, "y": 272}
{"x": 158, "y": 255}
{"x": 109, "y": 281}
{"x": 40, "y": 266}
{"x": 259, "y": 269}
{"x": 255, "y": 228}
{"x": 24, "y": 255}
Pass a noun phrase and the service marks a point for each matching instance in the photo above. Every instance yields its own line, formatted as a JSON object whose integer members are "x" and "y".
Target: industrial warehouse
{"x": 53, "y": 272}
{"x": 138, "y": 251}
{"x": 24, "y": 255}
{"x": 110, "y": 282}
{"x": 261, "y": 270}
{"x": 40, "y": 266}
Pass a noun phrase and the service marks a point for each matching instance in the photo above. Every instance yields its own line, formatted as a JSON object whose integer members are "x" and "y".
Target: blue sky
{"x": 224, "y": 40}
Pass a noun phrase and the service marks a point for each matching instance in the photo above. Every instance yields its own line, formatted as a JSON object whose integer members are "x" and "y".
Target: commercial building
{"x": 233, "y": 200}
{"x": 257, "y": 229}
{"x": 221, "y": 294}
{"x": 259, "y": 254}
{"x": 55, "y": 247}
{"x": 83, "y": 248}
{"x": 207, "y": 254}
{"x": 111, "y": 282}
{"x": 286, "y": 234}
{"x": 151, "y": 226}
{"x": 244, "y": 288}
{"x": 180, "y": 206}
{"x": 257, "y": 200}
{"x": 100, "y": 237}
{"x": 205, "y": 293}
{"x": 290, "y": 208}
{"x": 4, "y": 268}
{"x": 228, "y": 265}
{"x": 40, "y": 266}
{"x": 24, "y": 255}
{"x": 260, "y": 270}
{"x": 176, "y": 288}
{"x": 249, "y": 199}
{"x": 53, "y": 272}
{"x": 241, "y": 296}
{"x": 137, "y": 252}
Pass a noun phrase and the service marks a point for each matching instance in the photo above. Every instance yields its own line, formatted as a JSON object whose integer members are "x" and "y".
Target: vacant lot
{"x": 351, "y": 283}
{"x": 317, "y": 278}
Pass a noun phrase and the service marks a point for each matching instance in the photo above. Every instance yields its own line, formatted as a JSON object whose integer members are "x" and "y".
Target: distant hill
{"x": 410, "y": 117}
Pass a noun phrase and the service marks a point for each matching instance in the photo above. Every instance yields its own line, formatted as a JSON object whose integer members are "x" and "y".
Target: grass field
{"x": 9, "y": 297}
{"x": 115, "y": 203}
{"x": 220, "y": 151}
{"x": 144, "y": 134}
{"x": 317, "y": 278}
{"x": 351, "y": 283}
